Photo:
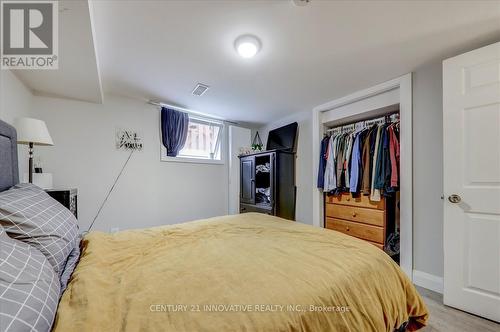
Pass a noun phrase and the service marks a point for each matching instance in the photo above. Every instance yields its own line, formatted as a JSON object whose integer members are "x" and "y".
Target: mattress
{"x": 249, "y": 272}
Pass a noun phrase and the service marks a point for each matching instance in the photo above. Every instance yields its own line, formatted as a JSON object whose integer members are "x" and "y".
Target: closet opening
{"x": 359, "y": 175}
{"x": 377, "y": 101}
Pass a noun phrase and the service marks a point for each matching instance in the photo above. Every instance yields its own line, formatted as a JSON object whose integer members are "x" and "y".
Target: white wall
{"x": 150, "y": 192}
{"x": 15, "y": 101}
{"x": 303, "y": 162}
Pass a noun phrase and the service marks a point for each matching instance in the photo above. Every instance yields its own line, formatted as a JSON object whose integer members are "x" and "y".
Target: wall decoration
{"x": 129, "y": 140}
{"x": 257, "y": 143}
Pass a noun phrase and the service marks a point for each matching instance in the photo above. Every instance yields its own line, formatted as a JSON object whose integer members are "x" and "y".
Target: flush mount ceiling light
{"x": 247, "y": 46}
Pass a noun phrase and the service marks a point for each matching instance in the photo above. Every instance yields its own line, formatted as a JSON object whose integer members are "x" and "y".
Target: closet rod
{"x": 366, "y": 123}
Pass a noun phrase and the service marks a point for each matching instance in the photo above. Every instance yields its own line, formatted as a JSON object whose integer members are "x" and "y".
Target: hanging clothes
{"x": 363, "y": 161}
{"x": 394, "y": 155}
{"x": 355, "y": 164}
{"x": 330, "y": 179}
{"x": 322, "y": 162}
{"x": 340, "y": 160}
{"x": 375, "y": 193}
{"x": 366, "y": 162}
{"x": 347, "y": 160}
{"x": 382, "y": 159}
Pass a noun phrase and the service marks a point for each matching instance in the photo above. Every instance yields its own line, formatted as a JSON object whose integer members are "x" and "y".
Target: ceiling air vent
{"x": 301, "y": 3}
{"x": 200, "y": 89}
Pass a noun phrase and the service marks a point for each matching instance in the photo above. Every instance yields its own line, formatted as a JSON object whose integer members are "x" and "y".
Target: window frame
{"x": 220, "y": 141}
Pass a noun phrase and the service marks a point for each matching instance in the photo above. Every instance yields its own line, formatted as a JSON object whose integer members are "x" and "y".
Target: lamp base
{"x": 30, "y": 163}
{"x": 42, "y": 180}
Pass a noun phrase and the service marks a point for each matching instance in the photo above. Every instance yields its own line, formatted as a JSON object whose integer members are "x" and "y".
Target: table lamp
{"x": 32, "y": 132}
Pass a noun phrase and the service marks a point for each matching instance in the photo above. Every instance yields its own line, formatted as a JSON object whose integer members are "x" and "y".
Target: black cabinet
{"x": 67, "y": 197}
{"x": 267, "y": 183}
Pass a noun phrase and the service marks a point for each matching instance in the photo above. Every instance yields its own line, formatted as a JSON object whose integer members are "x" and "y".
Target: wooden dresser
{"x": 358, "y": 217}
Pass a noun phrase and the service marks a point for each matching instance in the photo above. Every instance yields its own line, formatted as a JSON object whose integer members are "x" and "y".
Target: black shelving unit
{"x": 267, "y": 183}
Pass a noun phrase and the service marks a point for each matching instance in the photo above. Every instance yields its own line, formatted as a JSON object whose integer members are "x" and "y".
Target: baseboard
{"x": 428, "y": 281}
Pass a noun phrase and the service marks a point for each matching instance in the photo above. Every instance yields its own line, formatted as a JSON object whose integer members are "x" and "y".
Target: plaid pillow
{"x": 30, "y": 215}
{"x": 29, "y": 287}
{"x": 73, "y": 258}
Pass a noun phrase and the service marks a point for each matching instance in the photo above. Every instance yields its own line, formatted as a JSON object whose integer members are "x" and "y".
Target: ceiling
{"x": 78, "y": 73}
{"x": 310, "y": 55}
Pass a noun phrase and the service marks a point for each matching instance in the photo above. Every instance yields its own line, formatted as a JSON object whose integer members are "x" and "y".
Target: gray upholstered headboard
{"x": 9, "y": 171}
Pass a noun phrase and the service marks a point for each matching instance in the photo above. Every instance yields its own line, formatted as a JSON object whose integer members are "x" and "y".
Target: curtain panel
{"x": 174, "y": 130}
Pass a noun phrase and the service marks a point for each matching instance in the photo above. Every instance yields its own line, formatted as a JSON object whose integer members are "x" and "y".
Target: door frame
{"x": 374, "y": 101}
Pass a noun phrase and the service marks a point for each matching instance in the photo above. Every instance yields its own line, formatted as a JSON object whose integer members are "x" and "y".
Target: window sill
{"x": 191, "y": 160}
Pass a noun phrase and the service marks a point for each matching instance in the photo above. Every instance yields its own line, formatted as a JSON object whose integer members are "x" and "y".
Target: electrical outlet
{"x": 114, "y": 229}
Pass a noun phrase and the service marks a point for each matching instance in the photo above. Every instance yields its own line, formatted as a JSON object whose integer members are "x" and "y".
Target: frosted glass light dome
{"x": 247, "y": 46}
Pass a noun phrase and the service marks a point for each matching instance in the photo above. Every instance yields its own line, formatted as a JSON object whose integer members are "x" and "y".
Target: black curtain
{"x": 174, "y": 130}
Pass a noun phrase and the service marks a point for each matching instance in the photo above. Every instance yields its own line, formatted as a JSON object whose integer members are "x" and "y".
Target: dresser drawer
{"x": 378, "y": 245}
{"x": 362, "y": 201}
{"x": 358, "y": 214}
{"x": 366, "y": 232}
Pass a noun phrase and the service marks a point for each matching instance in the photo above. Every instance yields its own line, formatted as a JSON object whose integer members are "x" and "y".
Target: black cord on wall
{"x": 110, "y": 191}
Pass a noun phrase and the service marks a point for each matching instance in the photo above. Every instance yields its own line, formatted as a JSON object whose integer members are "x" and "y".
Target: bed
{"x": 249, "y": 272}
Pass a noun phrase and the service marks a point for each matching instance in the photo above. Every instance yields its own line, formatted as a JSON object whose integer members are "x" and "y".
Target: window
{"x": 203, "y": 142}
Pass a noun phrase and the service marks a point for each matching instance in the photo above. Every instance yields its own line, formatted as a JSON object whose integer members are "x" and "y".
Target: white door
{"x": 471, "y": 121}
{"x": 238, "y": 137}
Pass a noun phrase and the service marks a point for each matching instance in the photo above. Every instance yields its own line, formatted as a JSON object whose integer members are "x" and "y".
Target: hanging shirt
{"x": 355, "y": 164}
{"x": 382, "y": 160}
{"x": 330, "y": 180}
{"x": 347, "y": 159}
{"x": 394, "y": 155}
{"x": 375, "y": 193}
{"x": 387, "y": 165}
{"x": 368, "y": 147}
{"x": 322, "y": 162}
{"x": 340, "y": 160}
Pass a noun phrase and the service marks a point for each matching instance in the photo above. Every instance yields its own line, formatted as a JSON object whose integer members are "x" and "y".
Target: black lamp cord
{"x": 110, "y": 191}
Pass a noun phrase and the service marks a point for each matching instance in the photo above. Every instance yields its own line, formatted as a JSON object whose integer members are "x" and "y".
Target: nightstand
{"x": 67, "y": 197}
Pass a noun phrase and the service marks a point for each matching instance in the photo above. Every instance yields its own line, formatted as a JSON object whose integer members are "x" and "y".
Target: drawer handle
{"x": 354, "y": 214}
{"x": 348, "y": 199}
{"x": 347, "y": 229}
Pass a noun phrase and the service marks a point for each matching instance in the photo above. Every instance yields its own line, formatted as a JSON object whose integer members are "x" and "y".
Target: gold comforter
{"x": 249, "y": 272}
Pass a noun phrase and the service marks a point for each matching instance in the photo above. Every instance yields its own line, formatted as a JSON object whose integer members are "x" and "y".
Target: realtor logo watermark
{"x": 29, "y": 34}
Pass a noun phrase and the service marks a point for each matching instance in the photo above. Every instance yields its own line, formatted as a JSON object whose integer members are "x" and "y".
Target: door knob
{"x": 454, "y": 198}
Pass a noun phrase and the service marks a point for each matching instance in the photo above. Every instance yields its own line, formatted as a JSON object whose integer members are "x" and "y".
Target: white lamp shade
{"x": 34, "y": 131}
